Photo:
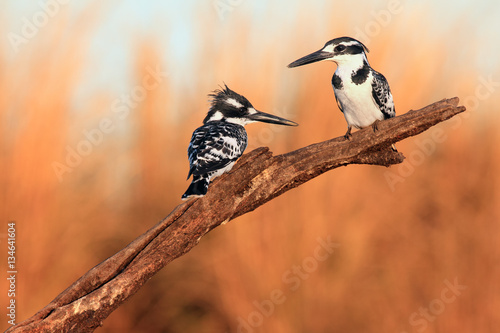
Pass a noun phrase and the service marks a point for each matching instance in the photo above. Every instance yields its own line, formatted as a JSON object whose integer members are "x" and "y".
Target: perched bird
{"x": 362, "y": 94}
{"x": 215, "y": 146}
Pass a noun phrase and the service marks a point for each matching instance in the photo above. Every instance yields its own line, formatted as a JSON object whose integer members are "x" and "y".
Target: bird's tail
{"x": 198, "y": 187}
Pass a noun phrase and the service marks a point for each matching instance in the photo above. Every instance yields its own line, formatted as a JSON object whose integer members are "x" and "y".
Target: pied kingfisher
{"x": 215, "y": 146}
{"x": 362, "y": 94}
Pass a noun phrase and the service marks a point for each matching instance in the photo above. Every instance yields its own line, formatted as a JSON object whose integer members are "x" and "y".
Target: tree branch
{"x": 257, "y": 178}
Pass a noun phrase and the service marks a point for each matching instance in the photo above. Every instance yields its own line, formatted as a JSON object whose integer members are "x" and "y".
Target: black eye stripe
{"x": 351, "y": 49}
{"x": 354, "y": 49}
{"x": 339, "y": 48}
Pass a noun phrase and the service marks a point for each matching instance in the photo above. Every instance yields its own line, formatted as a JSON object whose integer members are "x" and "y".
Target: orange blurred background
{"x": 412, "y": 248}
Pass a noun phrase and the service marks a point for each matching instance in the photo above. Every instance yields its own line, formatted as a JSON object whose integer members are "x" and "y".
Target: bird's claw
{"x": 348, "y": 134}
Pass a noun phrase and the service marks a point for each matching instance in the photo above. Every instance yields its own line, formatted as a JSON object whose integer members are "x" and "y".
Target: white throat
{"x": 351, "y": 61}
{"x": 239, "y": 121}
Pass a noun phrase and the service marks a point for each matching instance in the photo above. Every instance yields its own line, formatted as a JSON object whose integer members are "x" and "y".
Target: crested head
{"x": 342, "y": 50}
{"x": 229, "y": 106}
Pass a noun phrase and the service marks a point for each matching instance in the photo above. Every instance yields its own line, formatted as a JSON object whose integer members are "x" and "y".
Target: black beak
{"x": 310, "y": 58}
{"x": 269, "y": 118}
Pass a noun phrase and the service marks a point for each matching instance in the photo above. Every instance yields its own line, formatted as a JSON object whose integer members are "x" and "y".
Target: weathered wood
{"x": 257, "y": 178}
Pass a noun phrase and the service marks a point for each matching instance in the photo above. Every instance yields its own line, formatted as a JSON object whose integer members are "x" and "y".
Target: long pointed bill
{"x": 272, "y": 119}
{"x": 310, "y": 58}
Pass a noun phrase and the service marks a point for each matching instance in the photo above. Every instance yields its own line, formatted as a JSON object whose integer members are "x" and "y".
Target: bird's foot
{"x": 375, "y": 125}
{"x": 348, "y": 134}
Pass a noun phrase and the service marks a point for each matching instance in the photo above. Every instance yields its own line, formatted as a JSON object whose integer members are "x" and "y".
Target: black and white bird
{"x": 215, "y": 146}
{"x": 362, "y": 93}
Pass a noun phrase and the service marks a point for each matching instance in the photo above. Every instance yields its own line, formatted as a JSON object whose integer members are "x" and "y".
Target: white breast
{"x": 358, "y": 105}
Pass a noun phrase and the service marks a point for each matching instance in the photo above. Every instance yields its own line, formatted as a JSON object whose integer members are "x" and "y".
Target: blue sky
{"x": 176, "y": 28}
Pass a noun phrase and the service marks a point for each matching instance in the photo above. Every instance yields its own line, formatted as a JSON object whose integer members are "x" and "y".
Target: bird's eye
{"x": 339, "y": 48}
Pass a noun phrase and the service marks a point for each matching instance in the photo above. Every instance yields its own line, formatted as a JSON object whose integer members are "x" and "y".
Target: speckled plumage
{"x": 362, "y": 94}
{"x": 213, "y": 150}
{"x": 221, "y": 140}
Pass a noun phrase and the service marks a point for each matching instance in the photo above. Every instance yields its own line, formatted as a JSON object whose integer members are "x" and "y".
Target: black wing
{"x": 382, "y": 95}
{"x": 214, "y": 145}
{"x": 337, "y": 84}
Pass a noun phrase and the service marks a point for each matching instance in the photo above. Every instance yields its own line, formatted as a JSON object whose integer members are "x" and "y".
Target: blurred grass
{"x": 396, "y": 247}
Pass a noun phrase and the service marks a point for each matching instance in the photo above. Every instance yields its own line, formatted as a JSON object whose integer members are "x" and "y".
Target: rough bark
{"x": 257, "y": 178}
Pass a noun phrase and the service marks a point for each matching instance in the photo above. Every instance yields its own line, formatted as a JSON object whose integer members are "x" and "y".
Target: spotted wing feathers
{"x": 214, "y": 146}
{"x": 382, "y": 95}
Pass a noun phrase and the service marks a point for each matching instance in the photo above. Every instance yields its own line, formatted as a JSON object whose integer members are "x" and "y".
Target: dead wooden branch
{"x": 257, "y": 178}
